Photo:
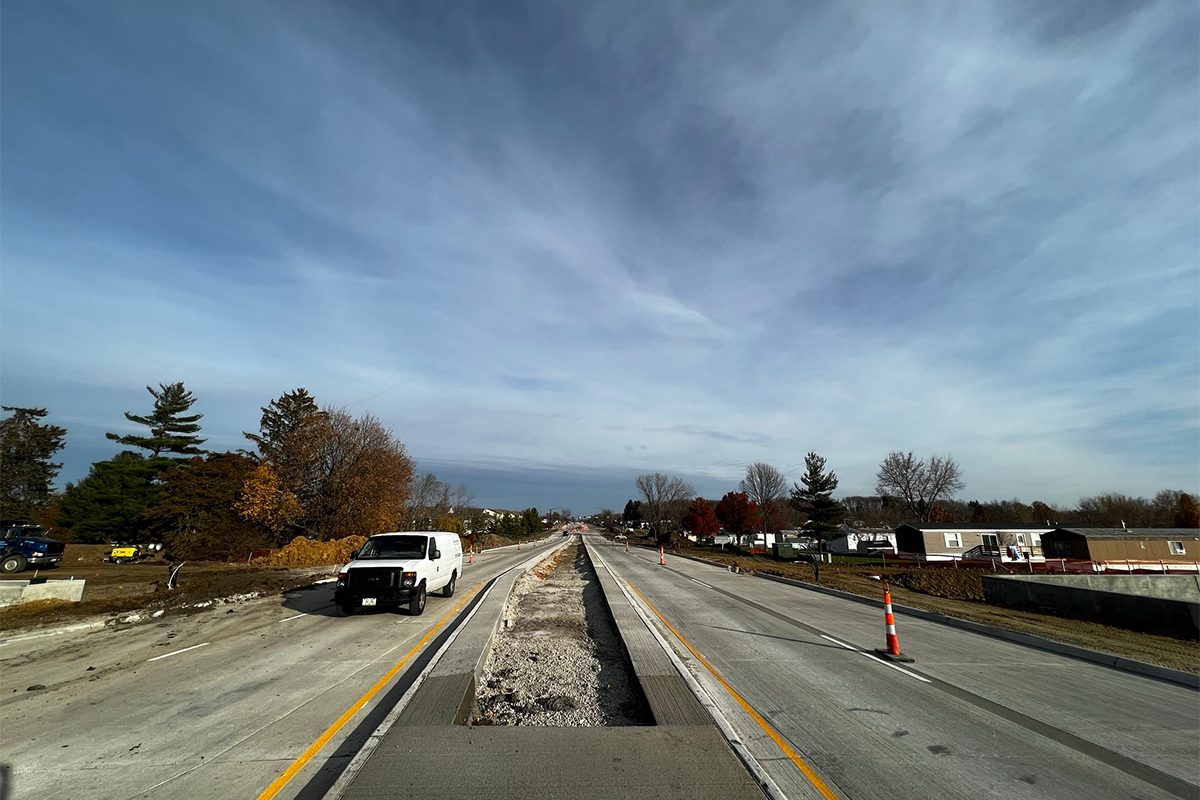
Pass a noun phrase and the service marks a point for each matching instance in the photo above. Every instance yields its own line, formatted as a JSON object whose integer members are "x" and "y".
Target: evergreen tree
{"x": 1187, "y": 515}
{"x": 26, "y": 472}
{"x": 825, "y": 514}
{"x": 195, "y": 512}
{"x": 289, "y": 439}
{"x": 532, "y": 522}
{"x": 111, "y": 502}
{"x": 170, "y": 431}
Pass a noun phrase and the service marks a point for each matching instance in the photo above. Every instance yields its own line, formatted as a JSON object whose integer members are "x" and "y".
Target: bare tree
{"x": 766, "y": 486}
{"x": 664, "y": 500}
{"x": 920, "y": 483}
{"x": 366, "y": 473}
{"x": 429, "y": 499}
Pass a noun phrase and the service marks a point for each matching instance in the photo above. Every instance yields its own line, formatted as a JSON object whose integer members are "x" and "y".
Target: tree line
{"x": 314, "y": 471}
{"x": 909, "y": 489}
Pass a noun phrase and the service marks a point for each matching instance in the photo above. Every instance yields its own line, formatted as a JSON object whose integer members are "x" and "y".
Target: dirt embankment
{"x": 959, "y": 594}
{"x": 558, "y": 659}
{"x": 116, "y": 588}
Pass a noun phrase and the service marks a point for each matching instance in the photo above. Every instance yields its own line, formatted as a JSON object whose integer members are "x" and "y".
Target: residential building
{"x": 953, "y": 540}
{"x": 1123, "y": 544}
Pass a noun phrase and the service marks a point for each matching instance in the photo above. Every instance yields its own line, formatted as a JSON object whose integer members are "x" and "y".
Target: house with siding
{"x": 857, "y": 540}
{"x": 1123, "y": 544}
{"x": 951, "y": 540}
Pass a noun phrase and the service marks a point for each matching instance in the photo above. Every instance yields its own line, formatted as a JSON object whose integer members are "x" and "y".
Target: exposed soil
{"x": 1166, "y": 651}
{"x": 557, "y": 659}
{"x": 116, "y": 588}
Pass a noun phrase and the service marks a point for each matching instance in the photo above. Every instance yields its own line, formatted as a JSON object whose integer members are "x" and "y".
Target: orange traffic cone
{"x": 662, "y": 561}
{"x": 472, "y": 558}
{"x": 892, "y": 653}
{"x": 626, "y": 545}
{"x": 518, "y": 544}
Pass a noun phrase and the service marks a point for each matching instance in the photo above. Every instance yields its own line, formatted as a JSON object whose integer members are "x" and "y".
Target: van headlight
{"x": 341, "y": 580}
{"x": 409, "y": 580}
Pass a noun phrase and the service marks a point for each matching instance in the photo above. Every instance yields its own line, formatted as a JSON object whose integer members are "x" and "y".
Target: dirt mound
{"x": 489, "y": 540}
{"x": 955, "y": 584}
{"x": 305, "y": 552}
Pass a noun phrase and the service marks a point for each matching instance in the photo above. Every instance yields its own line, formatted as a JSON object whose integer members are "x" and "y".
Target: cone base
{"x": 900, "y": 657}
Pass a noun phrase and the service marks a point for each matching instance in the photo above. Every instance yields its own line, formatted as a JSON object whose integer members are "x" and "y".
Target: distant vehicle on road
{"x": 25, "y": 545}
{"x": 394, "y": 569}
{"x": 620, "y": 536}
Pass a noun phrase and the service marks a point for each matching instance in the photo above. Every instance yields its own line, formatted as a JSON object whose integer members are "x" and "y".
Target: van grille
{"x": 374, "y": 581}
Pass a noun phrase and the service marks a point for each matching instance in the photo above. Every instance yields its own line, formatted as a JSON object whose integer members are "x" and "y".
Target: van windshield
{"x": 394, "y": 547}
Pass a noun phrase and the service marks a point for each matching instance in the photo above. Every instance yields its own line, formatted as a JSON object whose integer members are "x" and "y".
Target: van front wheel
{"x": 448, "y": 589}
{"x": 416, "y": 606}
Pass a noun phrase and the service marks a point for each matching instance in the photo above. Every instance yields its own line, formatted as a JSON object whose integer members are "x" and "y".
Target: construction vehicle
{"x": 27, "y": 545}
{"x": 130, "y": 553}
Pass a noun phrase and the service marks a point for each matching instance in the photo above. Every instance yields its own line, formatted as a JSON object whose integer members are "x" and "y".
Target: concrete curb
{"x": 732, "y": 738}
{"x": 670, "y": 699}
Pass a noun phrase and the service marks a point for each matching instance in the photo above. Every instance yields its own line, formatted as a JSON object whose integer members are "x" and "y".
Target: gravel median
{"x": 557, "y": 659}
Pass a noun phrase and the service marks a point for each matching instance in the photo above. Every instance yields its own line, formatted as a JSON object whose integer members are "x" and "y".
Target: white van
{"x": 399, "y": 568}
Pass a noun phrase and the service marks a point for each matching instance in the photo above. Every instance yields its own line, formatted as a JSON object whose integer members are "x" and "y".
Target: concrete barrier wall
{"x": 1167, "y": 603}
{"x": 1168, "y": 587}
{"x": 14, "y": 593}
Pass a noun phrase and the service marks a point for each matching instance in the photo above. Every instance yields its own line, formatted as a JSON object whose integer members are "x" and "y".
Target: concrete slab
{"x": 525, "y": 763}
{"x": 17, "y": 592}
{"x": 671, "y": 700}
{"x": 449, "y": 689}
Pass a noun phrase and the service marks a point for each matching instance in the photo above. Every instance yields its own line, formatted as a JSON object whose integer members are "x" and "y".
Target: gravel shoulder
{"x": 557, "y": 659}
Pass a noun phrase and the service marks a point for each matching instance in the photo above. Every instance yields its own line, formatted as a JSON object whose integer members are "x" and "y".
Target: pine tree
{"x": 170, "y": 431}
{"x": 825, "y": 514}
{"x": 26, "y": 472}
{"x": 110, "y": 503}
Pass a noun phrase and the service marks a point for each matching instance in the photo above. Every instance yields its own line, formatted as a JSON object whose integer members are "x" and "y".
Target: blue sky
{"x": 556, "y": 245}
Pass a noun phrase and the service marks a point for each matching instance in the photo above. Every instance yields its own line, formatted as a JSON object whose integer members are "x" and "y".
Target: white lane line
{"x": 876, "y": 658}
{"x": 325, "y": 580}
{"x": 298, "y": 616}
{"x": 177, "y": 652}
{"x": 702, "y": 583}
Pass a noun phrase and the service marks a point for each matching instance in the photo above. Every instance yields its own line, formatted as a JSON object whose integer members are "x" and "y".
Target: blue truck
{"x": 23, "y": 546}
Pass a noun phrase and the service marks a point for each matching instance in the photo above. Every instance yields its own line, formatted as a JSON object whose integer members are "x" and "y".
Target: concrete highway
{"x": 214, "y": 705}
{"x": 972, "y": 717}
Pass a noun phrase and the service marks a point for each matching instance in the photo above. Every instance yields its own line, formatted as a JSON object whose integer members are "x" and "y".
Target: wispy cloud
{"x": 621, "y": 237}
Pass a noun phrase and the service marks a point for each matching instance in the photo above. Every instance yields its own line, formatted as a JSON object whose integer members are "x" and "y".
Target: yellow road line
{"x": 804, "y": 768}
{"x": 332, "y": 730}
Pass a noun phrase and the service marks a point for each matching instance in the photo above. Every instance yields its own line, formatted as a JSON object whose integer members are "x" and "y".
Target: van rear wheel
{"x": 448, "y": 589}
{"x": 416, "y": 606}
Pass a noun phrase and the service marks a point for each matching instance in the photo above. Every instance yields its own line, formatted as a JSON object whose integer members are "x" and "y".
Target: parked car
{"x": 25, "y": 545}
{"x": 395, "y": 569}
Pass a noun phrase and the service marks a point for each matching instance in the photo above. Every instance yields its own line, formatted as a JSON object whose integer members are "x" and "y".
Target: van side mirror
{"x": 353, "y": 554}
{"x": 436, "y": 554}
